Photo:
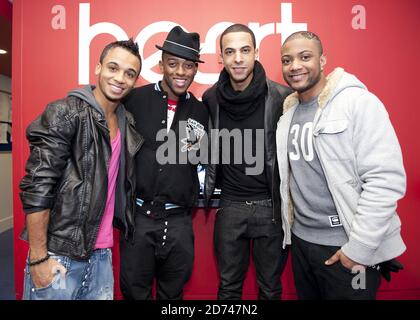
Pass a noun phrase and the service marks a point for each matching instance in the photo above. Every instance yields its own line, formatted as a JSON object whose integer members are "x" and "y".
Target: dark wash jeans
{"x": 316, "y": 281}
{"x": 238, "y": 226}
{"x": 163, "y": 249}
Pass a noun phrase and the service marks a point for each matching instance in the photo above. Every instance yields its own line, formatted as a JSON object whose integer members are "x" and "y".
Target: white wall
{"x": 6, "y": 195}
{"x": 5, "y": 83}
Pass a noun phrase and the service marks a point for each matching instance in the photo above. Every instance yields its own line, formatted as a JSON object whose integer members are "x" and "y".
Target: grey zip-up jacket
{"x": 362, "y": 162}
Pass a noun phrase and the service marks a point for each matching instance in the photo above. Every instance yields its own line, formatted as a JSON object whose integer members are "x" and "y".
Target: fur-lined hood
{"x": 337, "y": 81}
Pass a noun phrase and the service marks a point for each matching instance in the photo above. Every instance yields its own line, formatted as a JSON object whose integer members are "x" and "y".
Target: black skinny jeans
{"x": 238, "y": 227}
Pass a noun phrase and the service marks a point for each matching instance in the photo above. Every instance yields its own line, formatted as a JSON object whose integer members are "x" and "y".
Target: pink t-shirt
{"x": 105, "y": 237}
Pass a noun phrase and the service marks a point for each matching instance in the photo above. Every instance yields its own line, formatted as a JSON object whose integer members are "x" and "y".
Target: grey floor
{"x": 7, "y": 274}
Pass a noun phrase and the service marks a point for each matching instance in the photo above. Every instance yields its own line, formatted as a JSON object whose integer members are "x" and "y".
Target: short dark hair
{"x": 238, "y": 27}
{"x": 128, "y": 45}
{"x": 307, "y": 35}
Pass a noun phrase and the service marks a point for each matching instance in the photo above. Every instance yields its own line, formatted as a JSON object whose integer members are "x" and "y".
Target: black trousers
{"x": 316, "y": 281}
{"x": 237, "y": 226}
{"x": 163, "y": 250}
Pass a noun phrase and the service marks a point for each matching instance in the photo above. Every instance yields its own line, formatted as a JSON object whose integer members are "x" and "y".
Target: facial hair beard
{"x": 311, "y": 84}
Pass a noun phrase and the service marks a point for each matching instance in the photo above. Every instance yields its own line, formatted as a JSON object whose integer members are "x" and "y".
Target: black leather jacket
{"x": 273, "y": 110}
{"x": 67, "y": 172}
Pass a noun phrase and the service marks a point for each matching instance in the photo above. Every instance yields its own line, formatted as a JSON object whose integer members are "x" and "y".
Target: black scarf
{"x": 240, "y": 105}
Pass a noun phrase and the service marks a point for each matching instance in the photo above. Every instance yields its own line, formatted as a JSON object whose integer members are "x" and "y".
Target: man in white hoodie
{"x": 341, "y": 174}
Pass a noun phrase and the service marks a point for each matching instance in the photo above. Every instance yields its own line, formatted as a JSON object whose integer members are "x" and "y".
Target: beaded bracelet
{"x": 36, "y": 262}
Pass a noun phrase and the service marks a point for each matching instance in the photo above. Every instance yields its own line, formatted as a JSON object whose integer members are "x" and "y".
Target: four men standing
{"x": 320, "y": 184}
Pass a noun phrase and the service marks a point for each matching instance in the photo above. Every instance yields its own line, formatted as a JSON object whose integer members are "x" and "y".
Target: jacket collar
{"x": 332, "y": 80}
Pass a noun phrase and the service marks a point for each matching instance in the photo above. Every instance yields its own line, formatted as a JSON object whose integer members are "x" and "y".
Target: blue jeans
{"x": 84, "y": 280}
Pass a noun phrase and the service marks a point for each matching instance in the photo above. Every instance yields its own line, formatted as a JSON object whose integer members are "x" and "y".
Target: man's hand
{"x": 345, "y": 261}
{"x": 43, "y": 274}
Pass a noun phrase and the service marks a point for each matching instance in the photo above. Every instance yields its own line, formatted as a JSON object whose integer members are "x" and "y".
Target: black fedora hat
{"x": 182, "y": 44}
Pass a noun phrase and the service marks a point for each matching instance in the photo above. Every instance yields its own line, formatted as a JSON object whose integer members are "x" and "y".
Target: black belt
{"x": 160, "y": 210}
{"x": 263, "y": 203}
{"x": 167, "y": 206}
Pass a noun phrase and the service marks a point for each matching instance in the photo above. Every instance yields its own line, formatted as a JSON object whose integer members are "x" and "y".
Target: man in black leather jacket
{"x": 245, "y": 100}
{"x": 80, "y": 179}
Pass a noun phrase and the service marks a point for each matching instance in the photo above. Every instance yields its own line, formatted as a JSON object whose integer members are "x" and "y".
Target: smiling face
{"x": 302, "y": 65}
{"x": 117, "y": 75}
{"x": 178, "y": 74}
{"x": 239, "y": 55}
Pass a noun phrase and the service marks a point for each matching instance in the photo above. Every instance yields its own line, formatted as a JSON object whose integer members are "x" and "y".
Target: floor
{"x": 7, "y": 277}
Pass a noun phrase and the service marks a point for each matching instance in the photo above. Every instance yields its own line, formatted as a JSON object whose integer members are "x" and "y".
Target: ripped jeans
{"x": 91, "y": 279}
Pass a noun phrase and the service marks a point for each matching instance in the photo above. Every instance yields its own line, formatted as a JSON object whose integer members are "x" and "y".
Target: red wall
{"x": 384, "y": 56}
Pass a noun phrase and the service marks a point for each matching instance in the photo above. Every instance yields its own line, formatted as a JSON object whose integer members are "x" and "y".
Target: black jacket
{"x": 67, "y": 172}
{"x": 276, "y": 94}
{"x": 157, "y": 181}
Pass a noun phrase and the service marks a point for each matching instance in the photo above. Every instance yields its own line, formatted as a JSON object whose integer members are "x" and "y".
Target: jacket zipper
{"x": 104, "y": 204}
{"x": 272, "y": 188}
{"x": 287, "y": 226}
{"x": 131, "y": 185}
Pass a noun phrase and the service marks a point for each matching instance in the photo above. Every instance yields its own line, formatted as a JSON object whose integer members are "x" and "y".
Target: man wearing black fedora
{"x": 167, "y": 185}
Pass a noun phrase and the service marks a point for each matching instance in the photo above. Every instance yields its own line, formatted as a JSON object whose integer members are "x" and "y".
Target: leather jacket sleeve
{"x": 49, "y": 138}
{"x": 210, "y": 177}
